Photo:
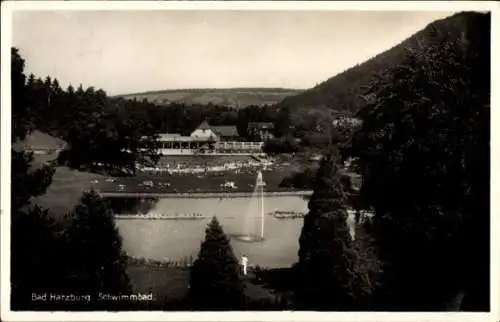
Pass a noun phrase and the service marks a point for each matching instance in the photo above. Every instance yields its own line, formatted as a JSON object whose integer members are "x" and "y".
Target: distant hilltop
{"x": 231, "y": 97}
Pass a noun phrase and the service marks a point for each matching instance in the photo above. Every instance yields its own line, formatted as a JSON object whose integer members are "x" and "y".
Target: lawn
{"x": 165, "y": 283}
{"x": 212, "y": 182}
{"x": 171, "y": 285}
{"x": 66, "y": 190}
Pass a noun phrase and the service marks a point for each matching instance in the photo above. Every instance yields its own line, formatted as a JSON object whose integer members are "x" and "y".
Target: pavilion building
{"x": 207, "y": 139}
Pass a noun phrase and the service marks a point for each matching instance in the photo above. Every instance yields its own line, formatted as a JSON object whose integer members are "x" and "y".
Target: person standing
{"x": 244, "y": 264}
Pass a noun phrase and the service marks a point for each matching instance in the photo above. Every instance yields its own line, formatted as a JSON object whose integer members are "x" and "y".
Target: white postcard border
{"x": 6, "y": 32}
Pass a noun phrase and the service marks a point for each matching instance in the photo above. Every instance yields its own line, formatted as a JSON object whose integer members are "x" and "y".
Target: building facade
{"x": 262, "y": 130}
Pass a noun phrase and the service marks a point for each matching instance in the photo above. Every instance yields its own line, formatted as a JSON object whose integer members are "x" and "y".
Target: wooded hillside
{"x": 345, "y": 92}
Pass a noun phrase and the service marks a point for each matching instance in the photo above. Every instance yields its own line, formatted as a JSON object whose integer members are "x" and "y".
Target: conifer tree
{"x": 327, "y": 257}
{"x": 215, "y": 281}
{"x": 96, "y": 261}
{"x": 33, "y": 234}
{"x": 22, "y": 113}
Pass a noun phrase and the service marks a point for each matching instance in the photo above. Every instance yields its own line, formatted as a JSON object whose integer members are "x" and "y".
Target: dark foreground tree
{"x": 35, "y": 257}
{"x": 22, "y": 114}
{"x": 26, "y": 182}
{"x": 34, "y": 268}
{"x": 328, "y": 259}
{"x": 215, "y": 281}
{"x": 423, "y": 151}
{"x": 96, "y": 263}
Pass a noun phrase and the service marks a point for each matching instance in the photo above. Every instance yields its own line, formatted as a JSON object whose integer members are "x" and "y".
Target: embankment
{"x": 197, "y": 195}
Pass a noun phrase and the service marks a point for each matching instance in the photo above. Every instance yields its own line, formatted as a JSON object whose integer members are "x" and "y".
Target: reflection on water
{"x": 175, "y": 239}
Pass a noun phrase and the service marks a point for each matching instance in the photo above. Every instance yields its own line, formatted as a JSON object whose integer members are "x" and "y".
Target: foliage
{"x": 369, "y": 269}
{"x": 95, "y": 261}
{"x": 215, "y": 281}
{"x": 33, "y": 235}
{"x": 27, "y": 183}
{"x": 328, "y": 260}
{"x": 22, "y": 114}
{"x": 299, "y": 180}
{"x": 98, "y": 129}
{"x": 423, "y": 152}
{"x": 130, "y": 205}
{"x": 35, "y": 257}
{"x": 305, "y": 180}
{"x": 253, "y": 113}
{"x": 286, "y": 144}
{"x": 183, "y": 263}
{"x": 278, "y": 279}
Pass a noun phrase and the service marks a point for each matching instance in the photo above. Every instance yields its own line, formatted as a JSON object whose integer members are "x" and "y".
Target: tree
{"x": 22, "y": 114}
{"x": 327, "y": 257}
{"x": 283, "y": 122}
{"x": 27, "y": 183}
{"x": 423, "y": 152}
{"x": 96, "y": 262}
{"x": 242, "y": 121}
{"x": 33, "y": 234}
{"x": 215, "y": 281}
{"x": 285, "y": 144}
{"x": 107, "y": 134}
{"x": 300, "y": 180}
{"x": 35, "y": 256}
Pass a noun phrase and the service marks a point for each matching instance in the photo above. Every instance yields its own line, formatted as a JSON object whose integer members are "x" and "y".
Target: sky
{"x": 134, "y": 51}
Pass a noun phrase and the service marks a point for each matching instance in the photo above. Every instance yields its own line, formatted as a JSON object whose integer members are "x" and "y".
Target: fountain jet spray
{"x": 259, "y": 187}
{"x": 252, "y": 231}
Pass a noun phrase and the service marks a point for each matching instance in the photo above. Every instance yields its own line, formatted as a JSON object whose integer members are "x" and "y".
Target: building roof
{"x": 220, "y": 130}
{"x": 204, "y": 126}
{"x": 168, "y": 137}
{"x": 225, "y": 130}
{"x": 261, "y": 125}
{"x": 40, "y": 140}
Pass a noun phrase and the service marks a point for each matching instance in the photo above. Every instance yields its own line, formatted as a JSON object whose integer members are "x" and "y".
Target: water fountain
{"x": 253, "y": 229}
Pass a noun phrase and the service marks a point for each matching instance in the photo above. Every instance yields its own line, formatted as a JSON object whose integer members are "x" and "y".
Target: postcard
{"x": 243, "y": 161}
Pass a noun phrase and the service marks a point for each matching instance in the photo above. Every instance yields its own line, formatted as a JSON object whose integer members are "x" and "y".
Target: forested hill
{"x": 344, "y": 92}
{"x": 231, "y": 97}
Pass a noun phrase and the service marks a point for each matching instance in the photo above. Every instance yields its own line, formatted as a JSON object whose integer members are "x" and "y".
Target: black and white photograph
{"x": 217, "y": 157}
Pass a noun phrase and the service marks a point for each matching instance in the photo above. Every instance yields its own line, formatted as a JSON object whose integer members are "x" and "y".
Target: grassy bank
{"x": 169, "y": 284}
{"x": 66, "y": 190}
{"x": 185, "y": 183}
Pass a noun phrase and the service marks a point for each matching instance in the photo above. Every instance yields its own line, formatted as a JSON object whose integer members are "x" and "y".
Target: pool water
{"x": 178, "y": 239}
